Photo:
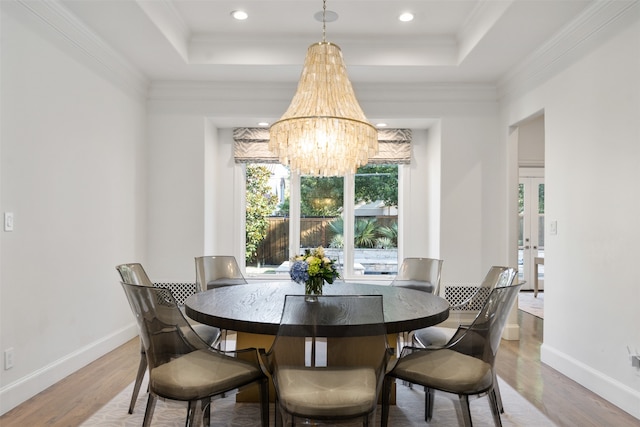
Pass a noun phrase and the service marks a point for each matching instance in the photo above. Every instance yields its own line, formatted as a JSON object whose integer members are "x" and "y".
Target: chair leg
{"x": 191, "y": 408}
{"x": 466, "y": 411}
{"x": 497, "y": 390}
{"x": 142, "y": 367}
{"x": 196, "y": 413}
{"x": 429, "y": 396}
{"x": 495, "y": 408}
{"x": 264, "y": 402}
{"x": 148, "y": 414}
{"x": 386, "y": 392}
{"x": 206, "y": 412}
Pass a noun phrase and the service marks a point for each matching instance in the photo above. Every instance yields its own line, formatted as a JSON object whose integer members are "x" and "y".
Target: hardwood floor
{"x": 72, "y": 400}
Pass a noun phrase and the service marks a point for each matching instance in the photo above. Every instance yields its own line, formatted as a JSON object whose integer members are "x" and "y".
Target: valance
{"x": 251, "y": 145}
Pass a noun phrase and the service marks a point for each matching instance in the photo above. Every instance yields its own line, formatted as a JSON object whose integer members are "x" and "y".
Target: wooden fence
{"x": 314, "y": 232}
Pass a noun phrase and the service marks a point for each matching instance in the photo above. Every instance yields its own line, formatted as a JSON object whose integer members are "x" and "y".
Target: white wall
{"x": 73, "y": 173}
{"x": 592, "y": 172}
{"x": 531, "y": 142}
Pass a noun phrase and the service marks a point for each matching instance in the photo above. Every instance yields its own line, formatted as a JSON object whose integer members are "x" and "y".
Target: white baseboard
{"x": 615, "y": 392}
{"x": 28, "y": 386}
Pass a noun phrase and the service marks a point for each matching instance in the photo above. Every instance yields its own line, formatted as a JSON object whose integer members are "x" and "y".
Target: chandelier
{"x": 324, "y": 131}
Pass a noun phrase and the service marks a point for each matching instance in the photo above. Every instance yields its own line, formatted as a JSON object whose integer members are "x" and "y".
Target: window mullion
{"x": 348, "y": 216}
{"x": 294, "y": 214}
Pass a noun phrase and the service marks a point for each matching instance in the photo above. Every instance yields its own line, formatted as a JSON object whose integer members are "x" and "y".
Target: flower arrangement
{"x": 313, "y": 268}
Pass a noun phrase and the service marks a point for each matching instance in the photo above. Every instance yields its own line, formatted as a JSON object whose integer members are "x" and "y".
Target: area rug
{"x": 409, "y": 411}
{"x": 530, "y": 304}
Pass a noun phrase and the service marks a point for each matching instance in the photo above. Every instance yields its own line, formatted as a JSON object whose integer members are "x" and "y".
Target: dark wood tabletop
{"x": 257, "y": 307}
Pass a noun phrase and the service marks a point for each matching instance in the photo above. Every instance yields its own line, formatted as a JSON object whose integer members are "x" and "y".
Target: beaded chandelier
{"x": 324, "y": 131}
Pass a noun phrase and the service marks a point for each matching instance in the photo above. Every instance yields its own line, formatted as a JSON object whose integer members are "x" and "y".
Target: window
{"x": 354, "y": 217}
{"x": 313, "y": 210}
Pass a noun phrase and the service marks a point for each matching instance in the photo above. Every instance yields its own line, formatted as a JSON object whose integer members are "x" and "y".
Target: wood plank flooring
{"x": 72, "y": 400}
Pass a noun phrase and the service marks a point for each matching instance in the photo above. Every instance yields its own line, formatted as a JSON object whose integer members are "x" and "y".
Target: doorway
{"x": 531, "y": 227}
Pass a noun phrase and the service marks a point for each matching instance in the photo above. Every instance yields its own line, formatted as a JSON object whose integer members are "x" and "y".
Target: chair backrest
{"x": 481, "y": 339}
{"x": 422, "y": 274}
{"x": 219, "y": 270}
{"x": 164, "y": 332}
{"x": 499, "y": 276}
{"x": 336, "y": 331}
{"x": 496, "y": 277}
{"x": 134, "y": 274}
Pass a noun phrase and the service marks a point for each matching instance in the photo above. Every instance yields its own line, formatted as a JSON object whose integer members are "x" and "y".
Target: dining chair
{"x": 181, "y": 365}
{"x": 438, "y": 336}
{"x": 497, "y": 276}
{"x": 422, "y": 274}
{"x": 465, "y": 366}
{"x": 218, "y": 270}
{"x": 328, "y": 359}
{"x": 135, "y": 274}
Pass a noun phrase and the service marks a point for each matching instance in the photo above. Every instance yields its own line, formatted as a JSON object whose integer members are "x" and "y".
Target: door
{"x": 531, "y": 229}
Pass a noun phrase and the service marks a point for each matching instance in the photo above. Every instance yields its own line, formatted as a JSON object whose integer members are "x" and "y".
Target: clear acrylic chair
{"x": 181, "y": 365}
{"x": 135, "y": 274}
{"x": 497, "y": 276}
{"x": 216, "y": 271}
{"x": 439, "y": 336}
{"x": 329, "y": 358}
{"x": 465, "y": 366}
{"x": 422, "y": 274}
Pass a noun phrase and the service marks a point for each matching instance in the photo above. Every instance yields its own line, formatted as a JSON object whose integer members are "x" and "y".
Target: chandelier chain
{"x": 324, "y": 21}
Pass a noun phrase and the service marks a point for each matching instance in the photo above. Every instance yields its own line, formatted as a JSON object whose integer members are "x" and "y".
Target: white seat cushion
{"x": 317, "y": 392}
{"x": 445, "y": 370}
{"x": 200, "y": 374}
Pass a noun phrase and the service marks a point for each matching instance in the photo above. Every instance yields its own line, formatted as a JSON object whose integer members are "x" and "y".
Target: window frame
{"x": 349, "y": 223}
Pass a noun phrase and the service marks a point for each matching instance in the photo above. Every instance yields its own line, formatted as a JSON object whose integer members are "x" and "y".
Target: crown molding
{"x": 53, "y": 16}
{"x": 598, "y": 22}
{"x": 373, "y": 92}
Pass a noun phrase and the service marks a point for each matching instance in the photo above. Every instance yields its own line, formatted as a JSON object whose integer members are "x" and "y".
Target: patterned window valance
{"x": 251, "y": 145}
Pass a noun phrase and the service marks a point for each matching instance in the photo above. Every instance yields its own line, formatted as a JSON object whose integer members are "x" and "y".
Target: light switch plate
{"x": 553, "y": 228}
{"x": 8, "y": 221}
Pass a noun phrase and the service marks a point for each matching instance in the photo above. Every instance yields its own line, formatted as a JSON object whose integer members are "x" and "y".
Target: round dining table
{"x": 257, "y": 307}
{"x": 254, "y": 310}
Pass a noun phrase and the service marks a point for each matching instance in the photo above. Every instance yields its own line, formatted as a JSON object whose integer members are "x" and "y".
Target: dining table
{"x": 254, "y": 310}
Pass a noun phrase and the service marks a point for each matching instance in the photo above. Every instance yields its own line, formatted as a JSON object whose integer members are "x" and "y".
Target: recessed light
{"x": 406, "y": 17}
{"x": 240, "y": 15}
{"x": 381, "y": 125}
{"x": 263, "y": 124}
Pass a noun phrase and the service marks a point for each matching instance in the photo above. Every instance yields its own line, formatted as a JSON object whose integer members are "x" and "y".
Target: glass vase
{"x": 313, "y": 288}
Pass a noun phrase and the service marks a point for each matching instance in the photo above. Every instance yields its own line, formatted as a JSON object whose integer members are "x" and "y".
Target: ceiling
{"x": 470, "y": 41}
{"x": 449, "y": 42}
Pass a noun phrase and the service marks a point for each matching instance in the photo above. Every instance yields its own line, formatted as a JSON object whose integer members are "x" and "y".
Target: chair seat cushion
{"x": 319, "y": 392}
{"x": 199, "y": 374}
{"x": 445, "y": 370}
